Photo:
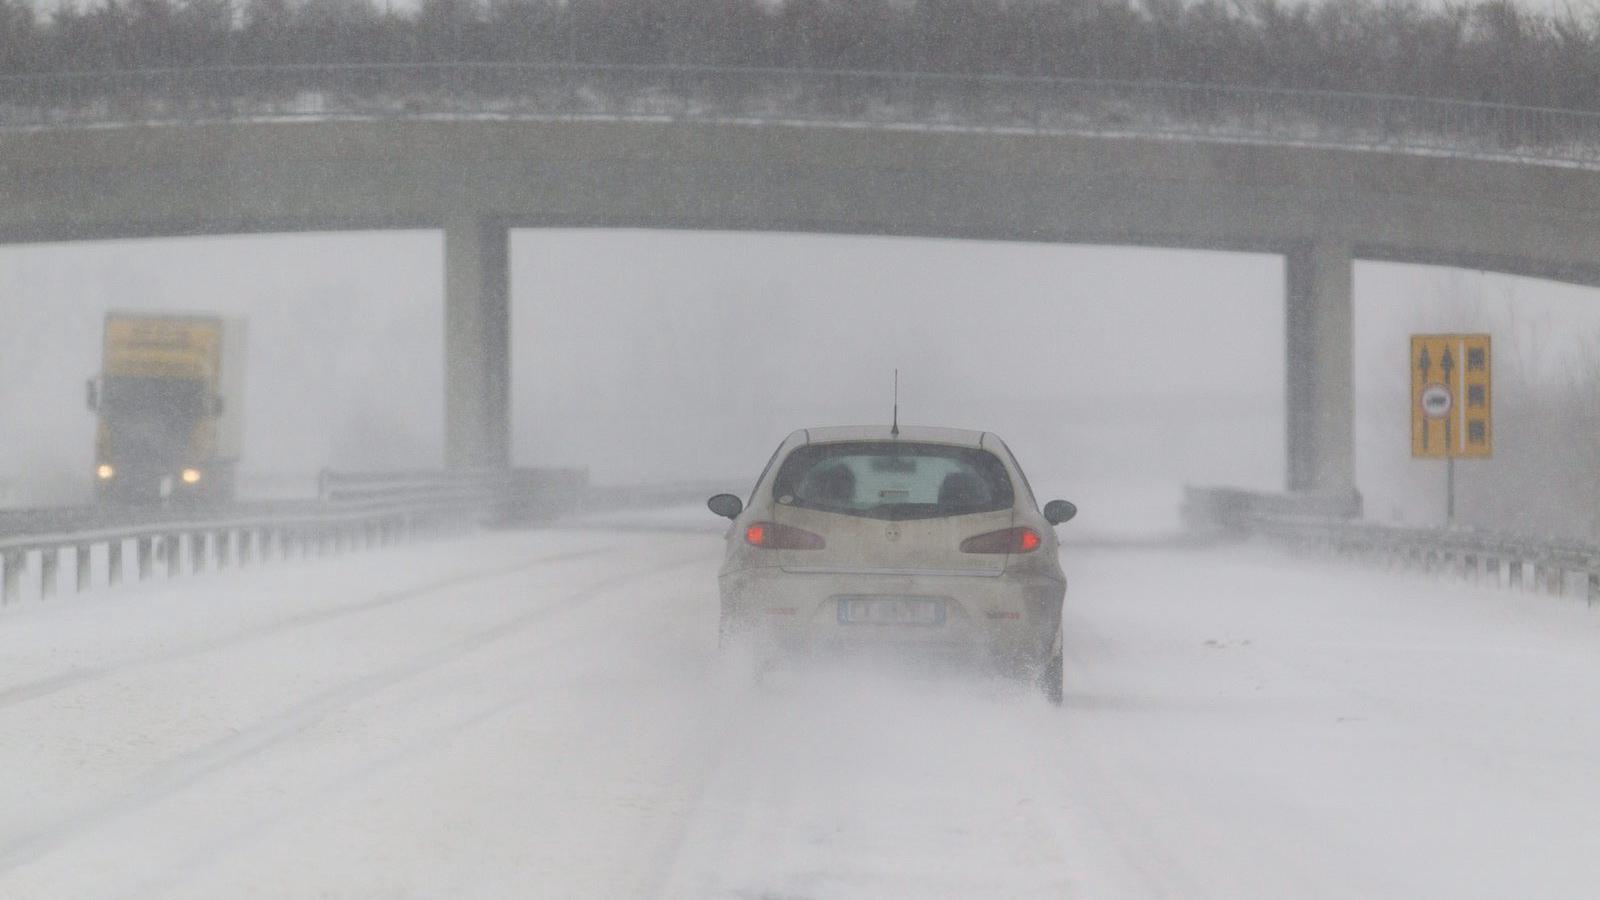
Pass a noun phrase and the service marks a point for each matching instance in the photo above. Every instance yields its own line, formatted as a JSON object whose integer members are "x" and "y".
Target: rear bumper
{"x": 1009, "y": 617}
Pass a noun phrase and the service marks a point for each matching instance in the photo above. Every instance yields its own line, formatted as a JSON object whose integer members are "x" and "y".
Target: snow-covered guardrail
{"x": 1328, "y": 526}
{"x": 750, "y": 94}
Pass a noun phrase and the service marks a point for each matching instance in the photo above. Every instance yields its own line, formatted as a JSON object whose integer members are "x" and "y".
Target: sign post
{"x": 1451, "y": 403}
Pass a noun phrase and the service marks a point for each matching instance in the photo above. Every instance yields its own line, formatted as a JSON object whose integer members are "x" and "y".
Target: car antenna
{"x": 894, "y": 427}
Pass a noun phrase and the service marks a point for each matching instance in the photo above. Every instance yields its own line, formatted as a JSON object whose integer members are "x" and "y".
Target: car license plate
{"x": 890, "y": 611}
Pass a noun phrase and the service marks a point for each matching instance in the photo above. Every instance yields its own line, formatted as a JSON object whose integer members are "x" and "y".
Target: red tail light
{"x": 1009, "y": 540}
{"x": 772, "y": 536}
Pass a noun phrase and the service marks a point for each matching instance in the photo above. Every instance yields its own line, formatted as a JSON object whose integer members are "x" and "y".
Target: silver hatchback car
{"x": 922, "y": 538}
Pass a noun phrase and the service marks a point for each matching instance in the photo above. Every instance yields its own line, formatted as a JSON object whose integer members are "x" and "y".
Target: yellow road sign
{"x": 1452, "y": 400}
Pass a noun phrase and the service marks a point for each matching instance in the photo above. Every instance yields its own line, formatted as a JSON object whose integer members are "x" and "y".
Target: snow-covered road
{"x": 544, "y": 714}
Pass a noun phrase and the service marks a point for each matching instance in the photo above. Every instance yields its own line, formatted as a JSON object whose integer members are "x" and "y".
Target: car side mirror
{"x": 1058, "y": 511}
{"x": 726, "y": 505}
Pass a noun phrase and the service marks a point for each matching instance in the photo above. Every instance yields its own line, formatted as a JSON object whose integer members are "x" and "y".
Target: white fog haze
{"x": 1105, "y": 367}
{"x": 1133, "y": 367}
{"x": 799, "y": 449}
{"x": 1097, "y": 363}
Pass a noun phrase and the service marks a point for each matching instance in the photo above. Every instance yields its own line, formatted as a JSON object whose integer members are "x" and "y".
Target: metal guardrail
{"x": 105, "y": 546}
{"x": 366, "y": 512}
{"x": 1481, "y": 557}
{"x": 418, "y": 486}
{"x": 95, "y": 517}
{"x": 654, "y": 496}
{"x": 889, "y": 99}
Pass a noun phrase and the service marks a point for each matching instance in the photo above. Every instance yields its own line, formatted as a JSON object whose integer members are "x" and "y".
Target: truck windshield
{"x": 893, "y": 480}
{"x": 175, "y": 402}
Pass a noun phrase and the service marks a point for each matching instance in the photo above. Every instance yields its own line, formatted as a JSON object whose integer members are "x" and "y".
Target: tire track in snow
{"x": 354, "y": 777}
{"x": 1147, "y": 838}
{"x": 1116, "y": 817}
{"x": 44, "y": 687}
{"x": 866, "y": 751}
{"x": 189, "y": 768}
{"x": 704, "y": 772}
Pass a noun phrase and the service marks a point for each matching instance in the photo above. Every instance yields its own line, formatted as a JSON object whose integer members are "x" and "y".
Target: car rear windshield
{"x": 893, "y": 480}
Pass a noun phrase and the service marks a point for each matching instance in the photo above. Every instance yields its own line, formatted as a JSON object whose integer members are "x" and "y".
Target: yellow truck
{"x": 169, "y": 398}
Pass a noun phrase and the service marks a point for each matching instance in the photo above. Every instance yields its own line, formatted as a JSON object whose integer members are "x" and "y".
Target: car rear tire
{"x": 1051, "y": 680}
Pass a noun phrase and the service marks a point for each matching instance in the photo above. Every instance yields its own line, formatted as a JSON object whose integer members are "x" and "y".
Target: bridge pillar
{"x": 477, "y": 343}
{"x": 1318, "y": 326}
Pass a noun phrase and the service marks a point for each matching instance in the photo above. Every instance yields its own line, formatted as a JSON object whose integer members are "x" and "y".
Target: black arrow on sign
{"x": 1445, "y": 365}
{"x": 1424, "y": 364}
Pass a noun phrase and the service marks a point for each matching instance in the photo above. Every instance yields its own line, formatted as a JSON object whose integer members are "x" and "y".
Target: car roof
{"x": 961, "y": 437}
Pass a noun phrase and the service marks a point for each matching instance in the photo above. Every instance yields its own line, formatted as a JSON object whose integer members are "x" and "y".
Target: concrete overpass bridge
{"x": 1016, "y": 168}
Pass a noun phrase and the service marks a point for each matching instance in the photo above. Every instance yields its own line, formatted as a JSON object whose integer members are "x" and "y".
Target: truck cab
{"x": 168, "y": 403}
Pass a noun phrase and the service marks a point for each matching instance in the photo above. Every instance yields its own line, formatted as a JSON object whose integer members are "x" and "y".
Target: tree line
{"x": 1491, "y": 51}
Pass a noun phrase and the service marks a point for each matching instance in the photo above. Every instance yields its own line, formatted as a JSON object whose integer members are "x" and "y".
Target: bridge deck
{"x": 545, "y": 713}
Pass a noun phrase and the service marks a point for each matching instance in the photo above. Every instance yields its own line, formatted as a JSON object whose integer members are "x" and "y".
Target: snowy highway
{"x": 545, "y": 714}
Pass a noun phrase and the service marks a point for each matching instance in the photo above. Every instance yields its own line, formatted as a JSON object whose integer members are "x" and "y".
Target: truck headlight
{"x": 104, "y": 472}
{"x": 190, "y": 476}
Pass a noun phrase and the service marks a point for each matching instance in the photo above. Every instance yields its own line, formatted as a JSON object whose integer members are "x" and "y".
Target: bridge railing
{"x": 1320, "y": 526}
{"x": 892, "y": 99}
